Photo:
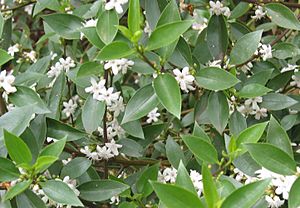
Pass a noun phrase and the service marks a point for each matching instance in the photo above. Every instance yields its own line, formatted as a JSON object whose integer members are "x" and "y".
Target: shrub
{"x": 149, "y": 103}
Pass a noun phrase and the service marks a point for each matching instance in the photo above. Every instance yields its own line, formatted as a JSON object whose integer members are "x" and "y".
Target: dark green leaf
{"x": 167, "y": 34}
{"x": 142, "y": 102}
{"x": 106, "y": 26}
{"x": 276, "y": 101}
{"x": 168, "y": 93}
{"x": 4, "y": 57}
{"x": 115, "y": 50}
{"x": 246, "y": 196}
{"x": 272, "y": 158}
{"x": 17, "y": 148}
{"x": 294, "y": 199}
{"x": 59, "y": 130}
{"x": 278, "y": 137}
{"x": 60, "y": 192}
{"x": 242, "y": 50}
{"x": 101, "y": 190}
{"x": 282, "y": 16}
{"x": 253, "y": 90}
{"x": 201, "y": 149}
{"x": 213, "y": 78}
{"x": 217, "y": 37}
{"x": 16, "y": 189}
{"x": 218, "y": 110}
{"x": 209, "y": 187}
{"x": 80, "y": 164}
{"x": 66, "y": 25}
{"x": 176, "y": 197}
{"x": 92, "y": 114}
{"x": 8, "y": 170}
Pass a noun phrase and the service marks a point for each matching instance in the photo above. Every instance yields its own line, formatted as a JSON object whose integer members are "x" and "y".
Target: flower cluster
{"x": 115, "y": 4}
{"x": 218, "y": 8}
{"x": 259, "y": 13}
{"x": 59, "y": 67}
{"x": 185, "y": 79}
{"x": 7, "y": 81}
{"x": 251, "y": 107}
{"x": 119, "y": 65}
{"x": 153, "y": 116}
{"x": 109, "y": 150}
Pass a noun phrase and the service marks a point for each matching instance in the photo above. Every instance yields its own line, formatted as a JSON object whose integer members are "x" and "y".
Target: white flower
{"x": 7, "y": 81}
{"x": 169, "y": 175}
{"x": 259, "y": 13}
{"x": 240, "y": 176}
{"x": 147, "y": 28}
{"x": 96, "y": 88}
{"x": 215, "y": 63}
{"x": 13, "y": 49}
{"x": 104, "y": 152}
{"x": 253, "y": 102}
{"x": 296, "y": 81}
{"x": 153, "y": 116}
{"x": 28, "y": 9}
{"x": 69, "y": 107}
{"x": 184, "y": 78}
{"x": 115, "y": 4}
{"x": 226, "y": 11}
{"x": 283, "y": 185}
{"x": 109, "y": 96}
{"x": 55, "y": 70}
{"x": 117, "y": 107}
{"x": 90, "y": 23}
{"x": 197, "y": 181}
{"x": 290, "y": 67}
{"x": 200, "y": 26}
{"x": 115, "y": 200}
{"x": 50, "y": 139}
{"x": 67, "y": 63}
{"x": 89, "y": 154}
{"x": 53, "y": 55}
{"x": 66, "y": 161}
{"x": 118, "y": 65}
{"x": 113, "y": 147}
{"x": 31, "y": 56}
{"x": 217, "y": 8}
{"x": 259, "y": 113}
{"x": 265, "y": 51}
{"x": 72, "y": 184}
{"x": 247, "y": 67}
{"x": 274, "y": 202}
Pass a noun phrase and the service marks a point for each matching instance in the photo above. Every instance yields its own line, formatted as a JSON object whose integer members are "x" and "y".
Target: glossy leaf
{"x": 134, "y": 16}
{"x": 217, "y": 37}
{"x": 246, "y": 196}
{"x": 101, "y": 190}
{"x": 60, "y": 192}
{"x": 22, "y": 153}
{"x": 278, "y": 137}
{"x": 92, "y": 114}
{"x": 106, "y": 25}
{"x": 201, "y": 149}
{"x": 168, "y": 93}
{"x": 253, "y": 90}
{"x": 213, "y": 78}
{"x": 16, "y": 189}
{"x": 218, "y": 110}
{"x": 282, "y": 16}
{"x": 242, "y": 50}
{"x": 276, "y": 101}
{"x": 115, "y": 50}
{"x": 294, "y": 200}
{"x": 4, "y": 57}
{"x": 8, "y": 170}
{"x": 167, "y": 34}
{"x": 209, "y": 187}
{"x": 80, "y": 164}
{"x": 176, "y": 197}
{"x": 142, "y": 102}
{"x": 272, "y": 158}
{"x": 66, "y": 25}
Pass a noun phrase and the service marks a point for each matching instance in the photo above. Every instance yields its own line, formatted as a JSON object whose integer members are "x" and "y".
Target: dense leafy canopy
{"x": 149, "y": 103}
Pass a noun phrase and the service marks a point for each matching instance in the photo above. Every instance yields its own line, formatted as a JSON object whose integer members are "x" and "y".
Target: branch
{"x": 18, "y": 6}
{"x": 288, "y": 4}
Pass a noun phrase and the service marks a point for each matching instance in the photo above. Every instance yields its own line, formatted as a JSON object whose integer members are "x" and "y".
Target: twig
{"x": 105, "y": 138}
{"x": 18, "y": 6}
{"x": 288, "y": 4}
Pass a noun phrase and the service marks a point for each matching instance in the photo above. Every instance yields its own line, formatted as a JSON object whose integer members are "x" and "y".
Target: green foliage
{"x": 149, "y": 103}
